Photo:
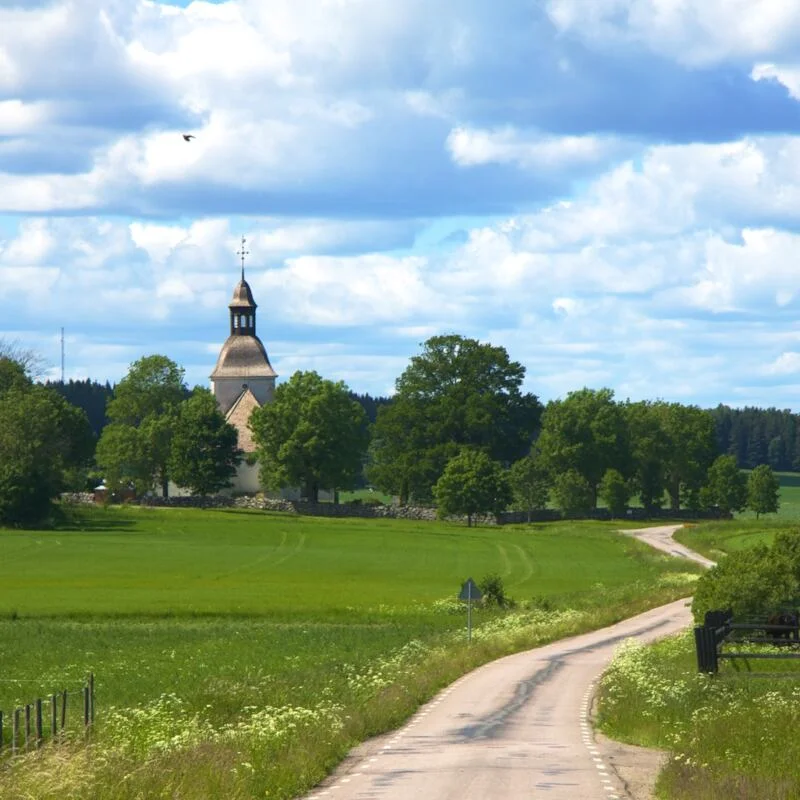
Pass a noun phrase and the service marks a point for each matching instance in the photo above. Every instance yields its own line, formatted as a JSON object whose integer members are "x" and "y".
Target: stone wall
{"x": 378, "y": 511}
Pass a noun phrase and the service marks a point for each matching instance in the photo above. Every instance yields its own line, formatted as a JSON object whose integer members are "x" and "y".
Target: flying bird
{"x": 187, "y": 137}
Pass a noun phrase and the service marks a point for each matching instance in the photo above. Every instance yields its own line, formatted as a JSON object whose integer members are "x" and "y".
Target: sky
{"x": 609, "y": 189}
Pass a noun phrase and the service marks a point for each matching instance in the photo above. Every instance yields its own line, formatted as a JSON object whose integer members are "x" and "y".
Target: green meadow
{"x": 714, "y": 539}
{"x": 242, "y": 654}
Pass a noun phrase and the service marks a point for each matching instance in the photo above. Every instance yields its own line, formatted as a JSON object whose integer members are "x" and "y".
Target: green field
{"x": 241, "y": 654}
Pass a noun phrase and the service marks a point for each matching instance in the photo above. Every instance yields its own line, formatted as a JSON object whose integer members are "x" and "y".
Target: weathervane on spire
{"x": 243, "y": 254}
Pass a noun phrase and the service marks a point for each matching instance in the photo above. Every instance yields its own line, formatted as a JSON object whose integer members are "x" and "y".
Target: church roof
{"x": 243, "y": 357}
{"x": 239, "y": 415}
{"x": 242, "y": 296}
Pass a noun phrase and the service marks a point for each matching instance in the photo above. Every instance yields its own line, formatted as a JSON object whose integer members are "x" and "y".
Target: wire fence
{"x": 30, "y": 726}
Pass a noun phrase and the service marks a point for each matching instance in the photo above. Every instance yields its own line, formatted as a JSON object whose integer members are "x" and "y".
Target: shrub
{"x": 494, "y": 592}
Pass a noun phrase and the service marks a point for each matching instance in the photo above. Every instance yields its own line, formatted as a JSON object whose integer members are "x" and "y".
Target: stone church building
{"x": 243, "y": 379}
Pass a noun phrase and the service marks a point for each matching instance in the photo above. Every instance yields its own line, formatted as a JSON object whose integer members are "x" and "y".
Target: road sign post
{"x": 469, "y": 592}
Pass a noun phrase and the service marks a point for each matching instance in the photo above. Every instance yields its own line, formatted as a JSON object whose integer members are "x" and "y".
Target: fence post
{"x": 1, "y": 731}
{"x": 63, "y": 711}
{"x": 705, "y": 641}
{"x": 86, "y": 706}
{"x": 15, "y": 732}
{"x": 38, "y": 722}
{"x": 53, "y": 717}
{"x": 91, "y": 698}
{"x": 27, "y": 726}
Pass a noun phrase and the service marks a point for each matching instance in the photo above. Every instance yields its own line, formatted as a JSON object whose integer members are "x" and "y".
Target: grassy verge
{"x": 717, "y": 539}
{"x": 242, "y": 655}
{"x": 729, "y": 735}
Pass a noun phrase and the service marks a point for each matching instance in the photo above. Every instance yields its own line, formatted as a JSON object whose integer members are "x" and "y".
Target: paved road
{"x": 515, "y": 728}
{"x": 661, "y": 538}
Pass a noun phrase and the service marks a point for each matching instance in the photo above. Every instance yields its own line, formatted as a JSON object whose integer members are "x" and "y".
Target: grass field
{"x": 241, "y": 654}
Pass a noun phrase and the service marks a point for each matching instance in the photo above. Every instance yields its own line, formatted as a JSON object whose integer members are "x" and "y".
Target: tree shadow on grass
{"x": 94, "y": 520}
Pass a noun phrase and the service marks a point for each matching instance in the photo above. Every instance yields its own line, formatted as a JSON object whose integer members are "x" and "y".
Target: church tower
{"x": 243, "y": 366}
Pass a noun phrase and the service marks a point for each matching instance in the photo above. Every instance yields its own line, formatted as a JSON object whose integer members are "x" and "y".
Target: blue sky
{"x": 609, "y": 189}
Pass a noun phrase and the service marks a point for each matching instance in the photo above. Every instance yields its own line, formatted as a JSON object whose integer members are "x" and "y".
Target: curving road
{"x": 514, "y": 728}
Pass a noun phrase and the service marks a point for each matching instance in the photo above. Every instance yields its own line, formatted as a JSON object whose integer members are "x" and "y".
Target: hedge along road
{"x": 515, "y": 728}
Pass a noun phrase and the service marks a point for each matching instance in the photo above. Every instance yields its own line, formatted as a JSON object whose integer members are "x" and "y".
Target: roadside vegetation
{"x": 728, "y": 735}
{"x": 241, "y": 654}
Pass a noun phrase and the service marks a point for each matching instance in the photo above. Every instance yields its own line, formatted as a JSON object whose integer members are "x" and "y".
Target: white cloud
{"x": 785, "y": 364}
{"x": 695, "y": 33}
{"x": 786, "y": 74}
{"x": 471, "y": 147}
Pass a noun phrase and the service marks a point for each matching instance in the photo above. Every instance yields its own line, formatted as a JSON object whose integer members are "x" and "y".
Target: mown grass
{"x": 242, "y": 654}
{"x": 729, "y": 735}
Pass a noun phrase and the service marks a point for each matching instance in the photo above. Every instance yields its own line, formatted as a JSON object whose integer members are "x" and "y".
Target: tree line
{"x": 752, "y": 435}
{"x": 459, "y": 431}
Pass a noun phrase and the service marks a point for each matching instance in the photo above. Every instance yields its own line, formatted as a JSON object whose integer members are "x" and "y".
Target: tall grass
{"x": 729, "y": 735}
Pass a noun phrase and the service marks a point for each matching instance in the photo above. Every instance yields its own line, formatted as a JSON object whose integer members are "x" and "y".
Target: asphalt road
{"x": 515, "y": 728}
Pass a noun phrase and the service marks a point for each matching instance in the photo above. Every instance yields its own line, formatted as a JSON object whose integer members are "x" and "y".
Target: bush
{"x": 752, "y": 581}
{"x": 494, "y": 593}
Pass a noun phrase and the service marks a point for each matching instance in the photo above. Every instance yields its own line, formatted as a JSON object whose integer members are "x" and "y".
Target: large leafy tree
{"x": 472, "y": 484}
{"x": 146, "y": 401}
{"x": 690, "y": 451}
{"x": 204, "y": 453}
{"x": 615, "y": 492}
{"x": 457, "y": 393}
{"x": 572, "y": 493}
{"x": 649, "y": 452}
{"x": 763, "y": 490}
{"x": 727, "y": 485}
{"x": 530, "y": 484}
{"x": 586, "y": 432}
{"x": 311, "y": 435}
{"x": 42, "y": 440}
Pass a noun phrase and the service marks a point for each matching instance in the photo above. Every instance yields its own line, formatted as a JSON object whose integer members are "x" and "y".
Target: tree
{"x": 42, "y": 439}
{"x": 763, "y": 491}
{"x": 727, "y": 485}
{"x": 204, "y": 454}
{"x": 147, "y": 400}
{"x": 472, "y": 483}
{"x": 649, "y": 452}
{"x": 691, "y": 448}
{"x": 615, "y": 492}
{"x": 29, "y": 361}
{"x": 125, "y": 458}
{"x": 586, "y": 432}
{"x": 572, "y": 493}
{"x": 530, "y": 484}
{"x": 457, "y": 393}
{"x": 311, "y": 435}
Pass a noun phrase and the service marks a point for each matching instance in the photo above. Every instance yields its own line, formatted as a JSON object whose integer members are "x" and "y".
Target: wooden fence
{"x": 30, "y": 726}
{"x": 720, "y": 632}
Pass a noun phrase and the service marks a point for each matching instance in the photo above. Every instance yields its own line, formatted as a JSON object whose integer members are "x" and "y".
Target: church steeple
{"x": 243, "y": 364}
{"x": 242, "y": 306}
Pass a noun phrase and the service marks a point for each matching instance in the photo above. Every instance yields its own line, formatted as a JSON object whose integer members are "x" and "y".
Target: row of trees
{"x": 759, "y": 436}
{"x": 459, "y": 419}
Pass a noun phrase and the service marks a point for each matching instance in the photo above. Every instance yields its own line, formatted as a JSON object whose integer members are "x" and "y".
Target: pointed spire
{"x": 242, "y": 253}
